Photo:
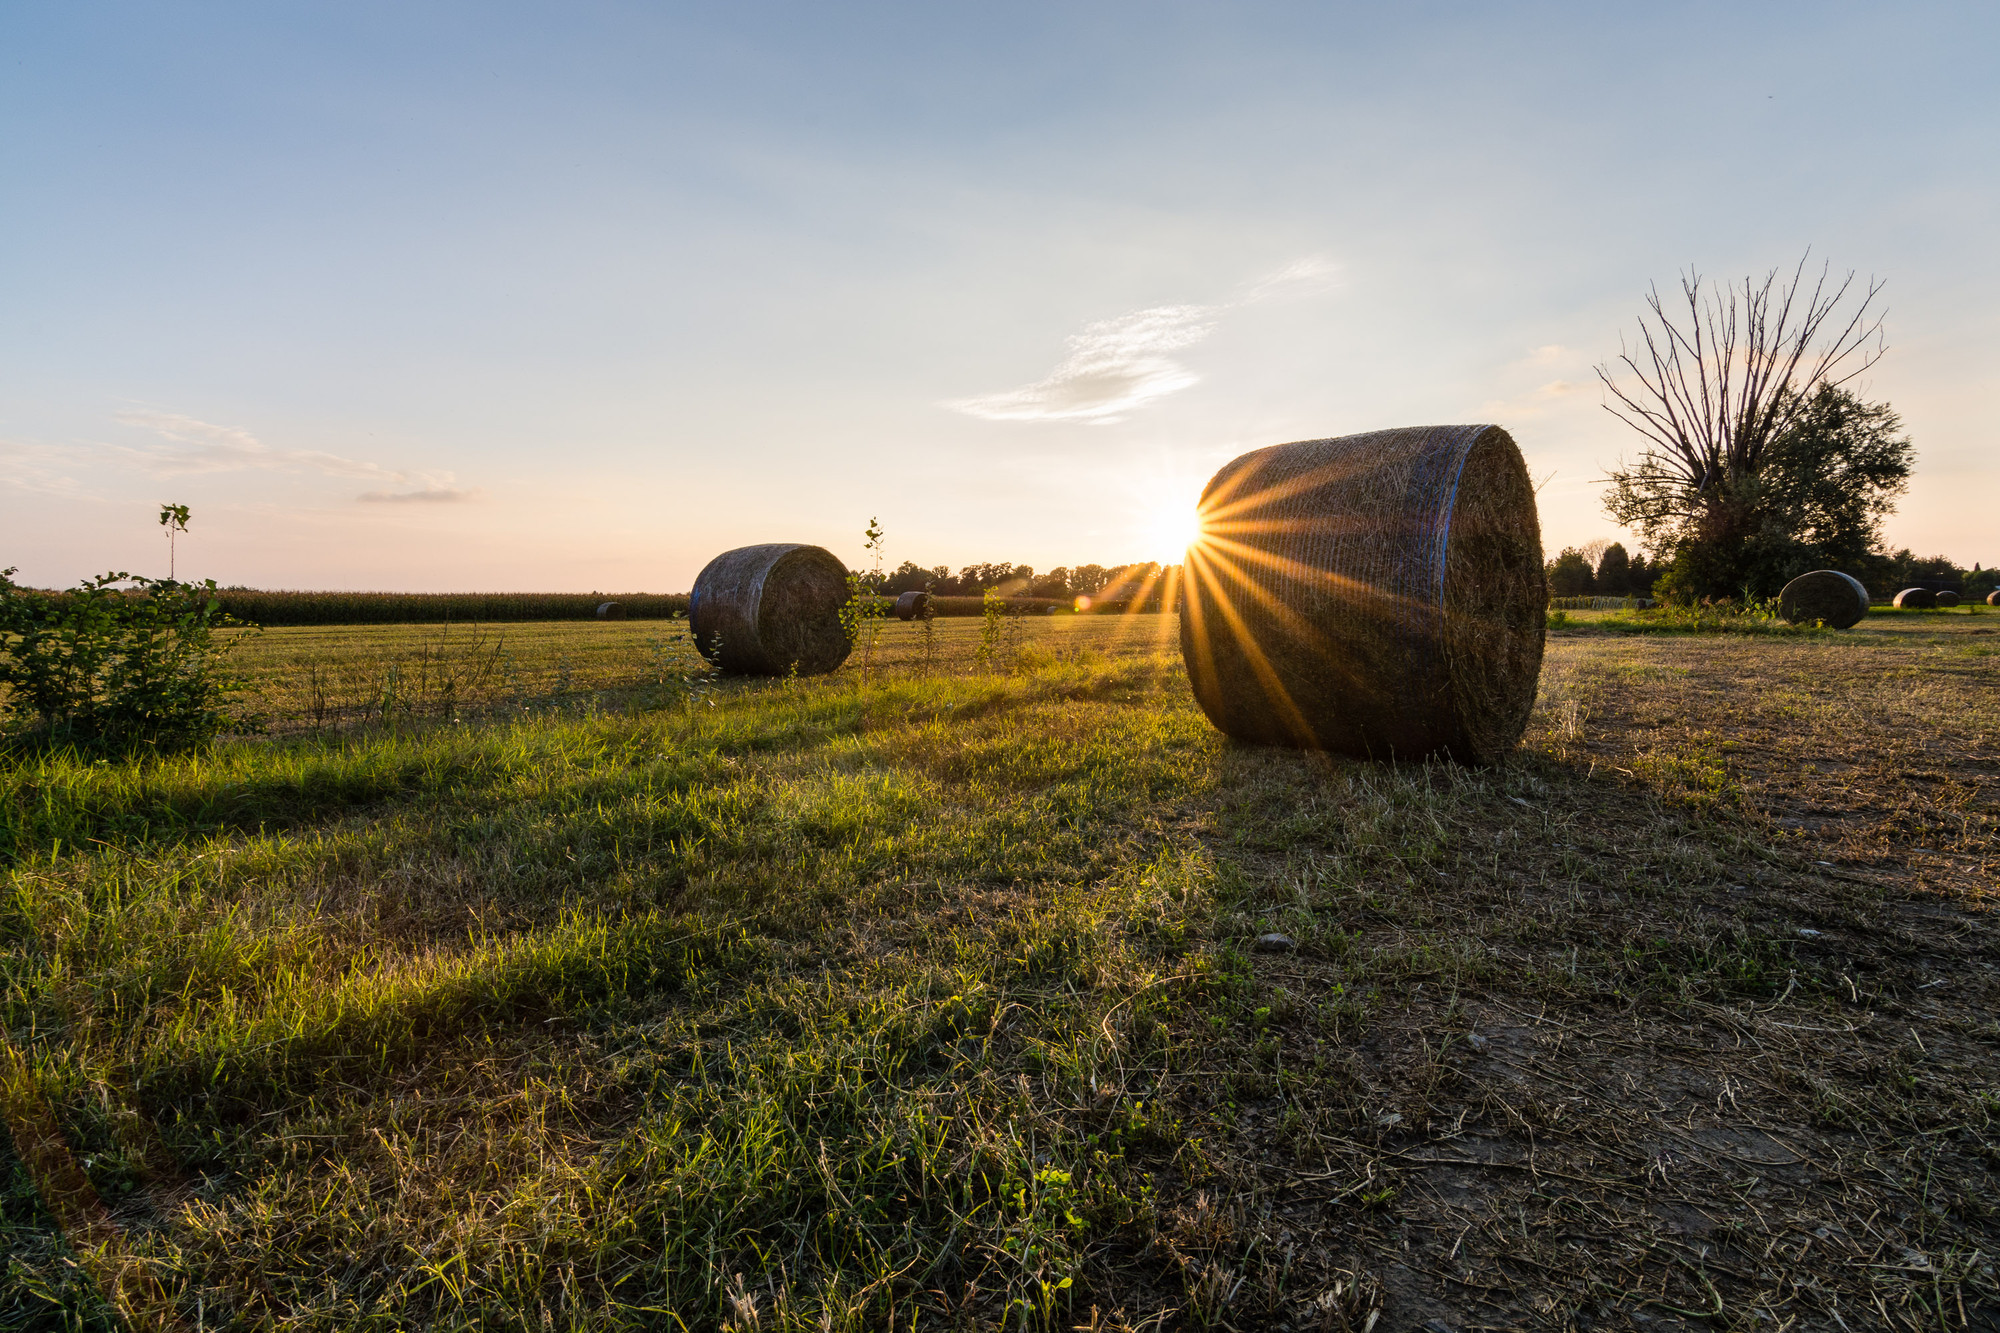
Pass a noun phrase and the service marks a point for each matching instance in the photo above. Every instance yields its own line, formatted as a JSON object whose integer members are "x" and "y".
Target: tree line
{"x": 1061, "y": 583}
{"x": 1605, "y": 569}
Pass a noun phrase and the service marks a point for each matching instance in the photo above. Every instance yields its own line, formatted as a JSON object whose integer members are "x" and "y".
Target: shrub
{"x": 107, "y": 668}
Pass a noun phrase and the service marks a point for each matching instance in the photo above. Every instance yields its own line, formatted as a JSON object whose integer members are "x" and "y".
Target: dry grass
{"x": 796, "y": 1005}
{"x": 1688, "y": 1017}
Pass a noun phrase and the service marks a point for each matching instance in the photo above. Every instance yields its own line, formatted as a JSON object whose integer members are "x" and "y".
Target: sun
{"x": 1170, "y": 531}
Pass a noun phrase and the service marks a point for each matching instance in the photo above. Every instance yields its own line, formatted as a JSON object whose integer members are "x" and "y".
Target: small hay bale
{"x": 767, "y": 610}
{"x": 1916, "y": 599}
{"x": 1826, "y": 595}
{"x": 913, "y": 606}
{"x": 610, "y": 611}
{"x": 1375, "y": 595}
{"x": 1946, "y": 597}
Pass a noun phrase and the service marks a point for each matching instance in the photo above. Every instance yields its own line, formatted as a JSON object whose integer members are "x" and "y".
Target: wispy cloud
{"x": 429, "y": 495}
{"x": 1115, "y": 365}
{"x": 193, "y": 447}
{"x": 1533, "y": 403}
{"x": 190, "y": 447}
{"x": 39, "y": 469}
{"x": 1301, "y": 277}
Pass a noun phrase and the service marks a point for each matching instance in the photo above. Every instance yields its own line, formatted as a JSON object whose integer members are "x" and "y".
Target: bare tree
{"x": 1717, "y": 390}
{"x": 1713, "y": 390}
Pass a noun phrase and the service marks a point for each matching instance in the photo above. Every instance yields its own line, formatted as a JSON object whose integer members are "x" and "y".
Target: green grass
{"x": 611, "y": 995}
{"x": 678, "y": 913}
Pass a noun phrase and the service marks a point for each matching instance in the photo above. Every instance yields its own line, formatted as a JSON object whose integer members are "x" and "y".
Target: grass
{"x": 1730, "y": 619}
{"x": 592, "y": 991}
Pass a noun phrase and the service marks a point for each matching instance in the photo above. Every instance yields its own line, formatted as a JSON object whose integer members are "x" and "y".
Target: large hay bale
{"x": 1916, "y": 599}
{"x": 1827, "y": 595}
{"x": 610, "y": 611}
{"x": 913, "y": 606}
{"x": 766, "y": 610}
{"x": 1945, "y": 597}
{"x": 1993, "y": 598}
{"x": 1376, "y": 595}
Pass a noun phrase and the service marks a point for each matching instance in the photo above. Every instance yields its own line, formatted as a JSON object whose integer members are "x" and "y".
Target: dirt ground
{"x": 1689, "y": 1022}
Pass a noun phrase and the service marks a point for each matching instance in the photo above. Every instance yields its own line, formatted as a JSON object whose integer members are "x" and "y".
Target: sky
{"x": 574, "y": 296}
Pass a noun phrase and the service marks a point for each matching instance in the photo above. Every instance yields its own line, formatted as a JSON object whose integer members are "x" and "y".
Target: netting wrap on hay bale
{"x": 1945, "y": 598}
{"x": 913, "y": 606}
{"x": 1825, "y": 594}
{"x": 1916, "y": 599}
{"x": 765, "y": 610}
{"x": 1376, "y": 595}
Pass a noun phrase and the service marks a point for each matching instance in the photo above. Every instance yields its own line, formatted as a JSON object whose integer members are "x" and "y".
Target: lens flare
{"x": 1171, "y": 531}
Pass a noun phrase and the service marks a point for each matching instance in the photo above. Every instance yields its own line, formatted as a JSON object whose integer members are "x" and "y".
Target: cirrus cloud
{"x": 1115, "y": 365}
{"x": 428, "y": 495}
{"x": 191, "y": 447}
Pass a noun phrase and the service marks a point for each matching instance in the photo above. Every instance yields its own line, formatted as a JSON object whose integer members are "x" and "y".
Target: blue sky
{"x": 574, "y": 296}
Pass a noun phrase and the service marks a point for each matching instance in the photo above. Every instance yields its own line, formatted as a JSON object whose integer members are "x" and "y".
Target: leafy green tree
{"x": 1758, "y": 464}
{"x": 1053, "y": 584}
{"x": 1569, "y": 574}
{"x": 1639, "y": 580}
{"x": 1614, "y": 571}
{"x": 1816, "y": 502}
{"x": 1085, "y": 579}
{"x": 907, "y": 577}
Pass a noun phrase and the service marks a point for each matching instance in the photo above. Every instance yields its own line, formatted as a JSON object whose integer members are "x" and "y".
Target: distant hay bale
{"x": 1827, "y": 595}
{"x": 1946, "y": 597}
{"x": 1993, "y": 598}
{"x": 765, "y": 610}
{"x": 1916, "y": 599}
{"x": 1376, "y": 595}
{"x": 913, "y": 606}
{"x": 610, "y": 611}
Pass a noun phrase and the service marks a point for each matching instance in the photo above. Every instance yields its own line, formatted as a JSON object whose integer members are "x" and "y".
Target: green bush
{"x": 115, "y": 669}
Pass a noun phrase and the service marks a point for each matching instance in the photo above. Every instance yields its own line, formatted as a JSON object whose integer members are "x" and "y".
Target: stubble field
{"x": 531, "y": 978}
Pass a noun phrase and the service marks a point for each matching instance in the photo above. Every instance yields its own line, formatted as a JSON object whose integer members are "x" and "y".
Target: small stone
{"x": 1276, "y": 943}
{"x": 1476, "y": 1042}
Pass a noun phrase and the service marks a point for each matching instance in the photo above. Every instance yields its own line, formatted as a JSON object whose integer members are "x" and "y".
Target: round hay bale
{"x": 913, "y": 606}
{"x": 1916, "y": 599}
{"x": 1826, "y": 595}
{"x": 766, "y": 610}
{"x": 1375, "y": 595}
{"x": 610, "y": 611}
{"x": 1993, "y": 598}
{"x": 1945, "y": 598}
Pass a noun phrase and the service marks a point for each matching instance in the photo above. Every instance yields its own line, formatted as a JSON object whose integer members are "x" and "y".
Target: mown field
{"x": 288, "y": 608}
{"x": 573, "y": 988}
